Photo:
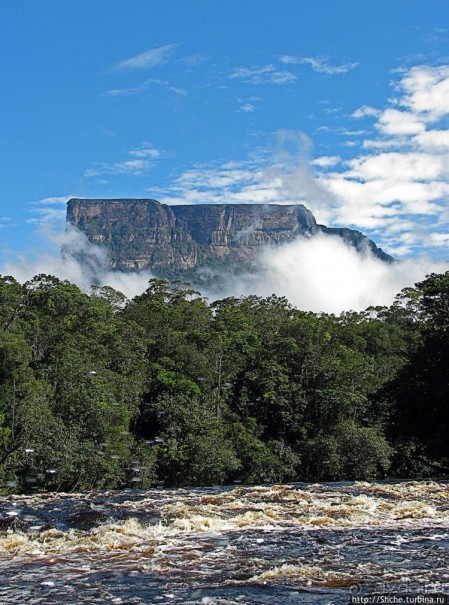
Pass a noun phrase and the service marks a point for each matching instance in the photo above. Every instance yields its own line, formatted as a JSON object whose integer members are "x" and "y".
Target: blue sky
{"x": 342, "y": 106}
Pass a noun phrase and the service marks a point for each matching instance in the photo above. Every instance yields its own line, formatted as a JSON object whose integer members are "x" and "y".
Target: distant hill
{"x": 174, "y": 240}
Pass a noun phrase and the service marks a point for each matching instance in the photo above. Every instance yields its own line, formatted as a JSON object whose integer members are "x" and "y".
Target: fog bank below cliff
{"x": 321, "y": 273}
{"x": 325, "y": 274}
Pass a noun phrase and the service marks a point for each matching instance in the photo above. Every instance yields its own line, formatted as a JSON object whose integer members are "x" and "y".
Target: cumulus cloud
{"x": 409, "y": 167}
{"x": 426, "y": 91}
{"x": 395, "y": 186}
{"x": 433, "y": 140}
{"x": 402, "y": 175}
{"x": 395, "y": 122}
{"x": 147, "y": 59}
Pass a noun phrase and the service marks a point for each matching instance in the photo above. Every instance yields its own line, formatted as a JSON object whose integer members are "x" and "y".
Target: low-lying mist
{"x": 321, "y": 273}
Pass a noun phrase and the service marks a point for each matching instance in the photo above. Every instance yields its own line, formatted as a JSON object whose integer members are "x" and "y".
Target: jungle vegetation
{"x": 167, "y": 389}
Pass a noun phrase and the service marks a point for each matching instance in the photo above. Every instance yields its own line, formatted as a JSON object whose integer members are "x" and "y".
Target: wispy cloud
{"x": 193, "y": 60}
{"x": 148, "y": 59}
{"x": 248, "y": 105}
{"x": 319, "y": 64}
{"x": 140, "y": 160}
{"x": 267, "y": 178}
{"x": 53, "y": 201}
{"x": 266, "y": 74}
{"x": 247, "y": 108}
{"x": 46, "y": 216}
{"x": 4, "y": 221}
{"x": 177, "y": 90}
{"x": 141, "y": 88}
{"x": 132, "y": 90}
{"x": 49, "y": 211}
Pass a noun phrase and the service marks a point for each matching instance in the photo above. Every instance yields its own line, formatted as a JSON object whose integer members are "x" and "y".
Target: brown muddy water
{"x": 321, "y": 543}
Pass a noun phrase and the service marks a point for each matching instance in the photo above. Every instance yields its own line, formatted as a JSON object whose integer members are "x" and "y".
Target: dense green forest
{"x": 97, "y": 391}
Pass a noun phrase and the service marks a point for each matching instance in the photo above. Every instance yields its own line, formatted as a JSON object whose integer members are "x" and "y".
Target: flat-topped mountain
{"x": 145, "y": 234}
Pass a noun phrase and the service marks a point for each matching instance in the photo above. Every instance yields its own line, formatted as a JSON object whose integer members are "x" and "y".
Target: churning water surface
{"x": 321, "y": 543}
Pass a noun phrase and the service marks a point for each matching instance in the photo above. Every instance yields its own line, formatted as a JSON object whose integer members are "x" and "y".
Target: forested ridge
{"x": 167, "y": 389}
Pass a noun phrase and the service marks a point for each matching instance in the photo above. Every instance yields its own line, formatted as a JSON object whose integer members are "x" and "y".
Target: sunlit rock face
{"x": 145, "y": 234}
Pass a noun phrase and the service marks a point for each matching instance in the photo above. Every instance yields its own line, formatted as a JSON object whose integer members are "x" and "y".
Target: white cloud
{"x": 396, "y": 189}
{"x": 193, "y": 60}
{"x": 4, "y": 221}
{"x": 402, "y": 176}
{"x": 148, "y": 59}
{"x": 348, "y": 132}
{"x": 53, "y": 201}
{"x": 426, "y": 91}
{"x": 47, "y": 212}
{"x": 325, "y": 161}
{"x": 366, "y": 111}
{"x": 142, "y": 159}
{"x": 146, "y": 150}
{"x": 141, "y": 88}
{"x": 440, "y": 239}
{"x": 284, "y": 178}
{"x": 319, "y": 64}
{"x": 93, "y": 269}
{"x": 433, "y": 140}
{"x": 248, "y": 105}
{"x": 393, "y": 143}
{"x": 247, "y": 108}
{"x": 182, "y": 92}
{"x": 397, "y": 166}
{"x": 47, "y": 215}
{"x": 125, "y": 92}
{"x": 396, "y": 122}
{"x": 266, "y": 74}
{"x": 232, "y": 183}
{"x": 306, "y": 270}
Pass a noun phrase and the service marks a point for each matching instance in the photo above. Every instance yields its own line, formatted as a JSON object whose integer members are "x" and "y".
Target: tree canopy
{"x": 169, "y": 389}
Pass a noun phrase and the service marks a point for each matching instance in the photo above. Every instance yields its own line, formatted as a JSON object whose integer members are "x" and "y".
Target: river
{"x": 270, "y": 544}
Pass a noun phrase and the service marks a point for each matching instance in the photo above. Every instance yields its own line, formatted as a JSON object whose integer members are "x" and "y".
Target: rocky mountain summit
{"x": 170, "y": 240}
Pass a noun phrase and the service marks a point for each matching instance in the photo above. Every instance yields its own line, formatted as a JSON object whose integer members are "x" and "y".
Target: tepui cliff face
{"x": 145, "y": 234}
